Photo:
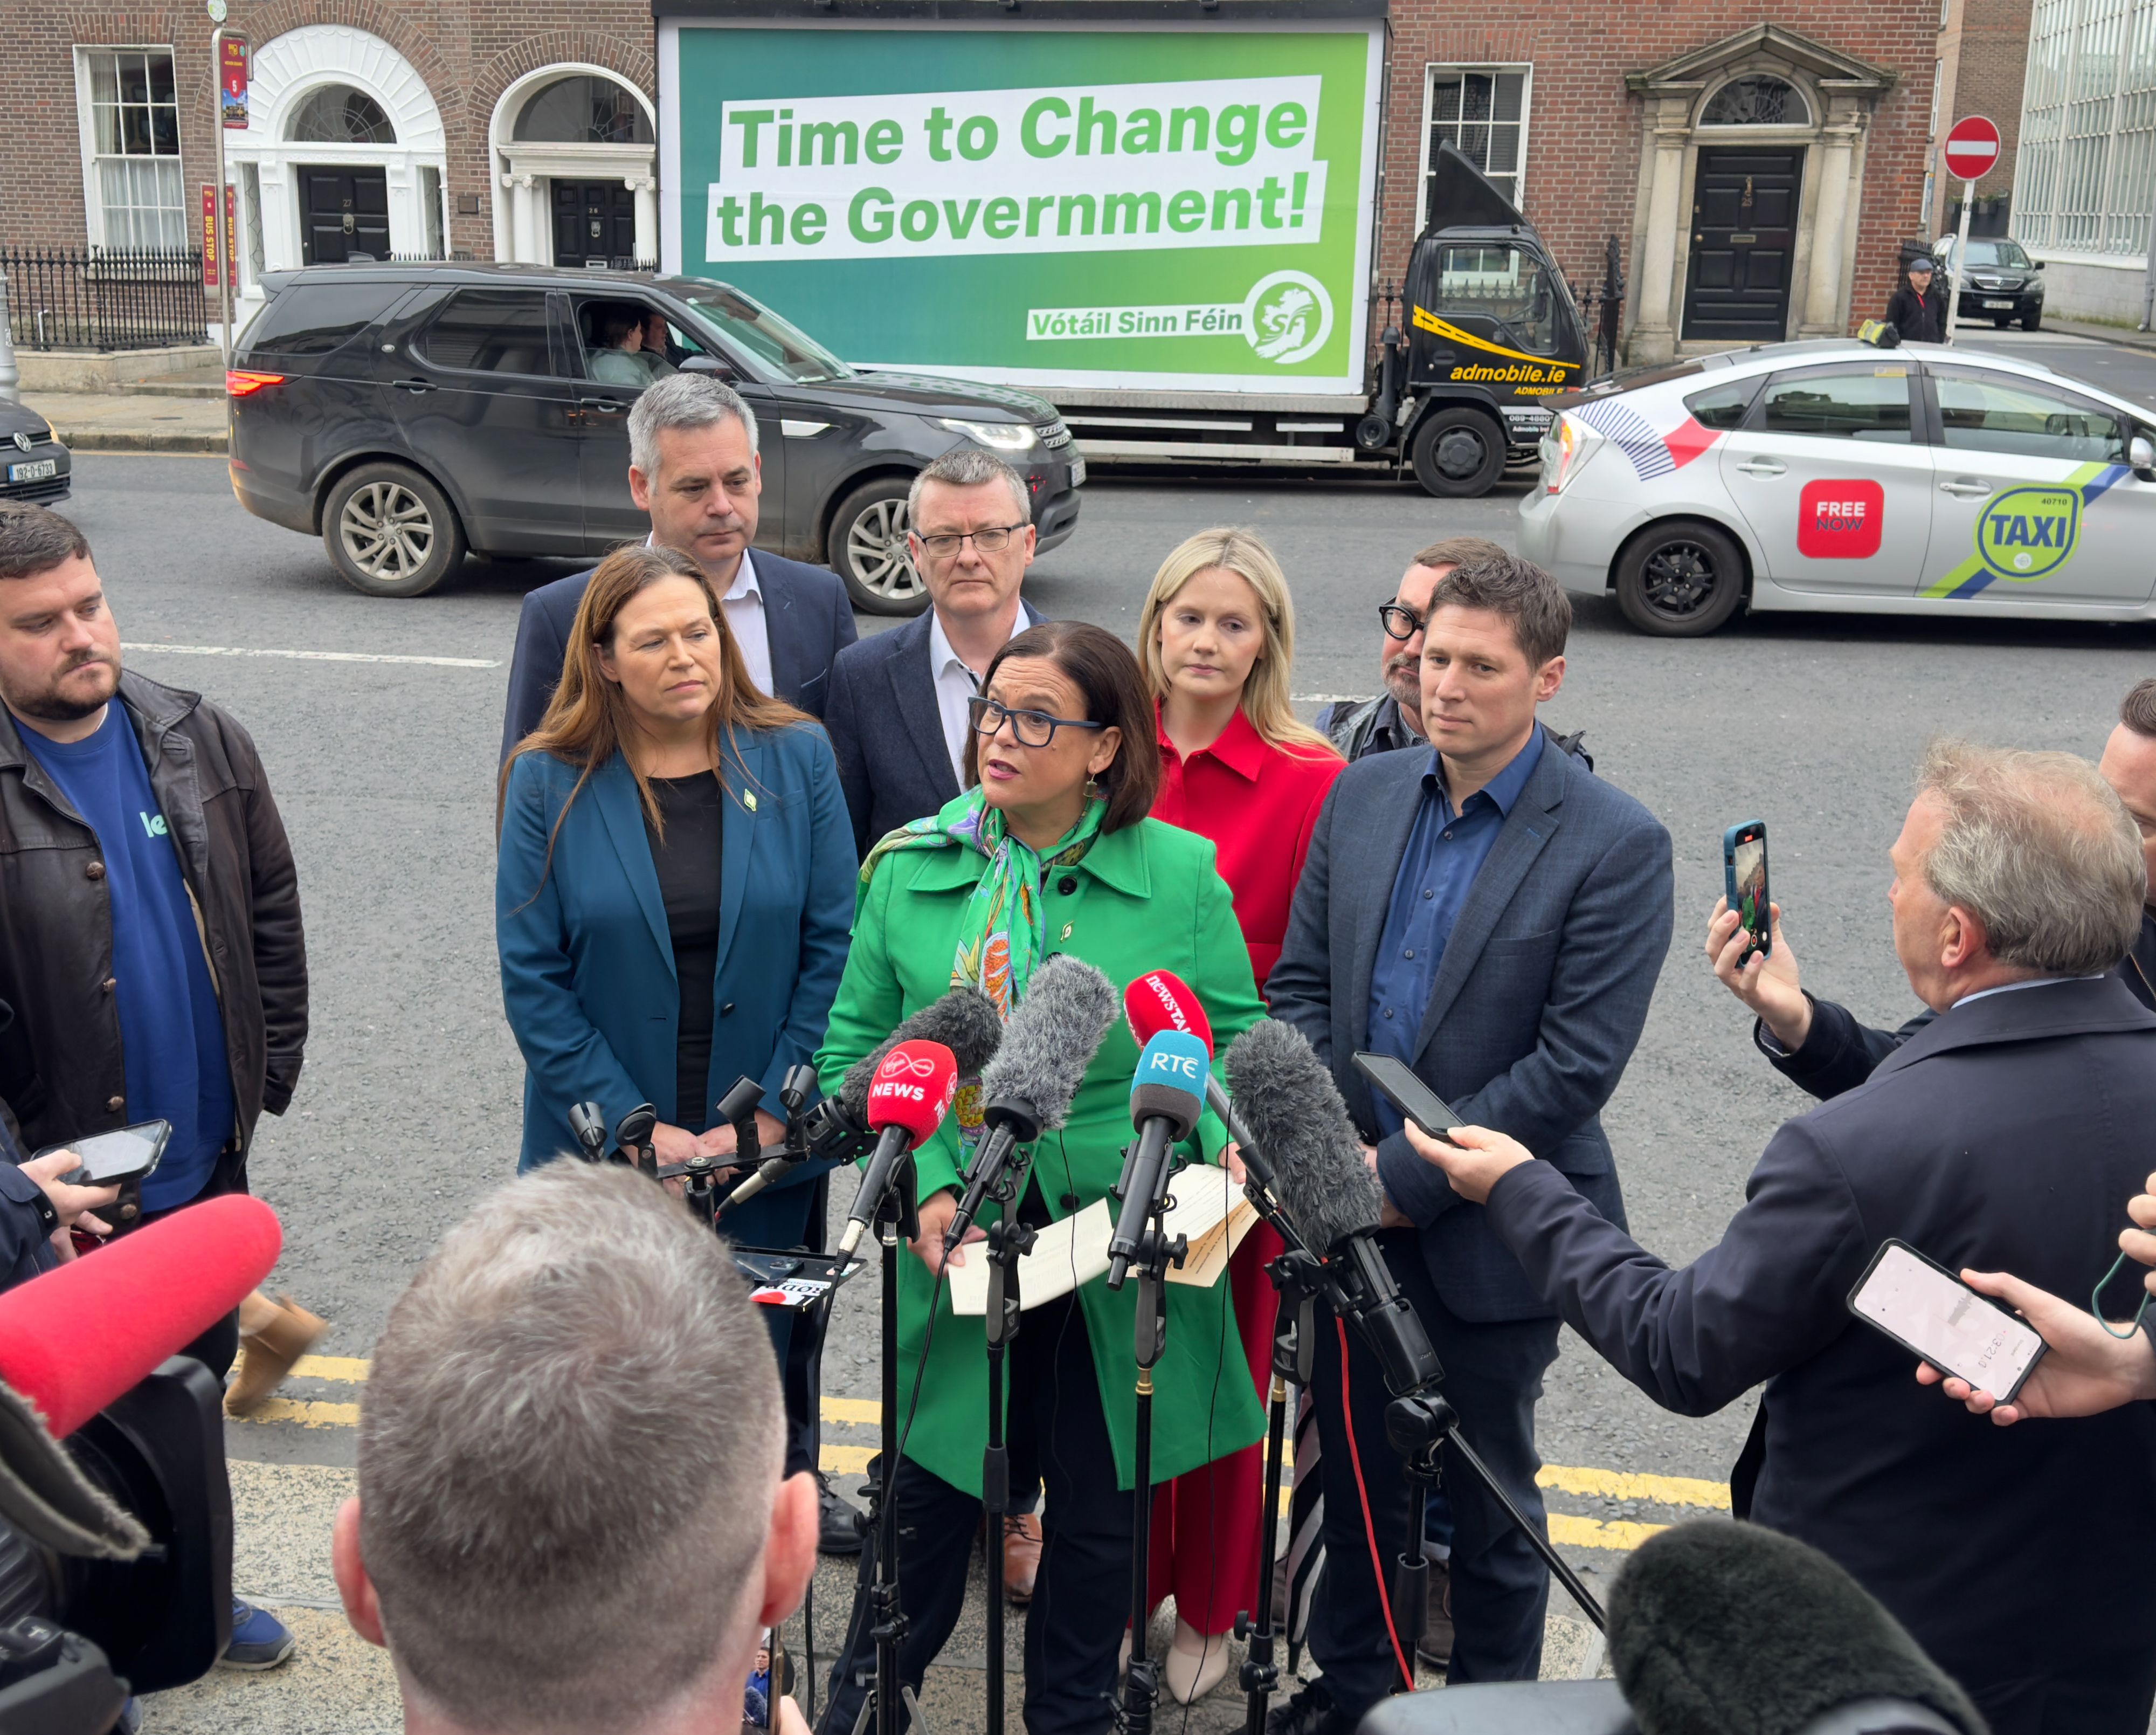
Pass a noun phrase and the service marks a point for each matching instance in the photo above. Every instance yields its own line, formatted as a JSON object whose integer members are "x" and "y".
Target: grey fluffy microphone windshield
{"x": 1714, "y": 1627}
{"x": 1286, "y": 1098}
{"x": 1051, "y": 1039}
{"x": 963, "y": 1021}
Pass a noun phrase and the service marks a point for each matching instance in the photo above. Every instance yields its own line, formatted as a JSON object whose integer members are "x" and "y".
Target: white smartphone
{"x": 1938, "y": 1318}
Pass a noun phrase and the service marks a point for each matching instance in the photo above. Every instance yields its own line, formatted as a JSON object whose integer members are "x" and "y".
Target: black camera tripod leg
{"x": 1009, "y": 1241}
{"x": 1293, "y": 1343}
{"x": 1540, "y": 1542}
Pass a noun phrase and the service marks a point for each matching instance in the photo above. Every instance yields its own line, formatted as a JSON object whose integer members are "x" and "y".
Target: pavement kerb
{"x": 2124, "y": 337}
{"x": 128, "y": 440}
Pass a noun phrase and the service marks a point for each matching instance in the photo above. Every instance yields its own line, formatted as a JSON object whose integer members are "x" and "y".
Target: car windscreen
{"x": 788, "y": 352}
{"x": 2007, "y": 254}
{"x": 310, "y": 319}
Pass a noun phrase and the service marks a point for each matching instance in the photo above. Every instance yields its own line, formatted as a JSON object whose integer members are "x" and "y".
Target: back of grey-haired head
{"x": 2040, "y": 850}
{"x": 969, "y": 466}
{"x": 683, "y": 400}
{"x": 567, "y": 1452}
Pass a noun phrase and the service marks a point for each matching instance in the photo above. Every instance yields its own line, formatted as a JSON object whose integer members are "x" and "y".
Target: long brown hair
{"x": 587, "y": 719}
{"x": 1108, "y": 678}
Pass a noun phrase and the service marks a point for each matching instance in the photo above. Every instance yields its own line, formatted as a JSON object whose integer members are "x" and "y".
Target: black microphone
{"x": 1716, "y": 1626}
{"x": 1168, "y": 1094}
{"x": 1028, "y": 1088}
{"x": 1286, "y": 1099}
{"x": 588, "y": 1121}
{"x": 964, "y": 1021}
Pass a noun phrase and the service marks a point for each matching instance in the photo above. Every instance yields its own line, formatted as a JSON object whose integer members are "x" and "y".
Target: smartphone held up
{"x": 1744, "y": 870}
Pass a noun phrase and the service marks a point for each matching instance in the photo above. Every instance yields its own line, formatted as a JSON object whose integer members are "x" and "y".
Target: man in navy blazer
{"x": 694, "y": 468}
{"x": 2005, "y": 1135}
{"x": 1495, "y": 915}
{"x": 897, "y": 710}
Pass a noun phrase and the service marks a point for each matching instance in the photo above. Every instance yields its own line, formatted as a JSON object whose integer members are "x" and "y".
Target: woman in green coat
{"x": 1049, "y": 851}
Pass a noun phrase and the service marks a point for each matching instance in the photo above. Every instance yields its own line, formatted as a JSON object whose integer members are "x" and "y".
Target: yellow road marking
{"x": 852, "y": 1410}
{"x": 1624, "y": 1484}
{"x": 306, "y": 1413}
{"x": 845, "y": 1460}
{"x": 346, "y": 1368}
{"x": 1593, "y": 1533}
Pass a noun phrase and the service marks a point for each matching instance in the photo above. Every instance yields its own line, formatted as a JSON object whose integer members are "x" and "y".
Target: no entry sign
{"x": 1972, "y": 148}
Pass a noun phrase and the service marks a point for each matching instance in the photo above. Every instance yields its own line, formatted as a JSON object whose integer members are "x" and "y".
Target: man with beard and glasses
{"x": 149, "y": 937}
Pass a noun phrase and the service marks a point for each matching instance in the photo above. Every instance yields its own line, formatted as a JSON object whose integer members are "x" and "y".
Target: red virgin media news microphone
{"x": 1161, "y": 1000}
{"x": 76, "y": 1338}
{"x": 907, "y": 1100}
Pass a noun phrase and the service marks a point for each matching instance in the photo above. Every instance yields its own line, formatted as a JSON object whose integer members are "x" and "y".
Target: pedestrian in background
{"x": 1216, "y": 637}
{"x": 675, "y": 884}
{"x": 1917, "y": 308}
{"x": 150, "y": 935}
{"x": 1394, "y": 719}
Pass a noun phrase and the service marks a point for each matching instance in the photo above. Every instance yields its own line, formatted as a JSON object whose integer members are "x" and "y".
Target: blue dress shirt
{"x": 1446, "y": 850}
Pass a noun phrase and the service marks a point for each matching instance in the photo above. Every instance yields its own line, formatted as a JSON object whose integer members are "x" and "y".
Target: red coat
{"x": 1259, "y": 805}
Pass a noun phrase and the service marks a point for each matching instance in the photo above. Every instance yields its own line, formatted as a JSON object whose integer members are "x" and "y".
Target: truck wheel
{"x": 868, "y": 551}
{"x": 390, "y": 532}
{"x": 1681, "y": 579}
{"x": 2031, "y": 319}
{"x": 1458, "y": 453}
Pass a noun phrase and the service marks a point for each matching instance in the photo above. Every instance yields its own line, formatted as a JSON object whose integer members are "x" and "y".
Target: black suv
{"x": 410, "y": 414}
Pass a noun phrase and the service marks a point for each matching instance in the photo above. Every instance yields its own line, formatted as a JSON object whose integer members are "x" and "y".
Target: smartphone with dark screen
{"x": 1939, "y": 1319}
{"x": 1408, "y": 1095}
{"x": 1744, "y": 868}
{"x": 129, "y": 1153}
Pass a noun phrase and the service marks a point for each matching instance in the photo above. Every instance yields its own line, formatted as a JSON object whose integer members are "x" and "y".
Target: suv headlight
{"x": 997, "y": 436}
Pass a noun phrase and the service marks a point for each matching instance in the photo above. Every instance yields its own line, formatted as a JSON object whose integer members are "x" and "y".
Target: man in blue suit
{"x": 897, "y": 711}
{"x": 694, "y": 467}
{"x": 2005, "y": 1135}
{"x": 1495, "y": 915}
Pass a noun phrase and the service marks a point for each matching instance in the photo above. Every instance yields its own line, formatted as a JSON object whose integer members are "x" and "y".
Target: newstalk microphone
{"x": 1028, "y": 1088}
{"x": 1161, "y": 1000}
{"x": 1168, "y": 1094}
{"x": 963, "y": 1021}
{"x": 907, "y": 1101}
{"x": 75, "y": 1338}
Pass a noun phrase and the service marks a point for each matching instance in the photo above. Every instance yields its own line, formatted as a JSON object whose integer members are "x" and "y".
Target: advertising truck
{"x": 1161, "y": 215}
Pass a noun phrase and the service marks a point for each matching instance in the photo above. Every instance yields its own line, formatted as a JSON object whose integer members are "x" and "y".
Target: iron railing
{"x": 104, "y": 298}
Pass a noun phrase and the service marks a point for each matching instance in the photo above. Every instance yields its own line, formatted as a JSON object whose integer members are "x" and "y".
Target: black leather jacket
{"x": 61, "y": 1070}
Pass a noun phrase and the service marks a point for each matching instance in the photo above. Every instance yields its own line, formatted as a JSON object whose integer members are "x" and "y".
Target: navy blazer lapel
{"x": 746, "y": 798}
{"x": 2025, "y": 1015}
{"x": 1527, "y": 829}
{"x": 613, "y": 788}
{"x": 781, "y": 624}
{"x": 919, "y": 717}
{"x": 1388, "y": 841}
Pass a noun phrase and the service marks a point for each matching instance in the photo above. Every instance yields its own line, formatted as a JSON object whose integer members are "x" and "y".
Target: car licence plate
{"x": 36, "y": 470}
{"x": 1077, "y": 472}
{"x": 1999, "y": 307}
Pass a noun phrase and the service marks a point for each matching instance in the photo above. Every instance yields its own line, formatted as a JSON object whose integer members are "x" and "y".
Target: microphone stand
{"x": 1156, "y": 1253}
{"x": 1295, "y": 1275}
{"x": 1009, "y": 1241}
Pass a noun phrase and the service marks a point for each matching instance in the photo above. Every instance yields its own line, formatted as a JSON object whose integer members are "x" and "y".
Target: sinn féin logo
{"x": 2029, "y": 533}
{"x": 1288, "y": 316}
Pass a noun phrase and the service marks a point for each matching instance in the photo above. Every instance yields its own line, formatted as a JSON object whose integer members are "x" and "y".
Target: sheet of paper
{"x": 1209, "y": 1209}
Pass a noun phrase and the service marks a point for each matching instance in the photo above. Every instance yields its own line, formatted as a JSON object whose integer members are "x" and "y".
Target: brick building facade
{"x": 421, "y": 128}
{"x": 1982, "y": 61}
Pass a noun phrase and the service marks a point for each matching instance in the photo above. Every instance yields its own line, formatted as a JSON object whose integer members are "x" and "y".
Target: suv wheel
{"x": 1680, "y": 580}
{"x": 390, "y": 532}
{"x": 868, "y": 549}
{"x": 2030, "y": 321}
{"x": 1458, "y": 453}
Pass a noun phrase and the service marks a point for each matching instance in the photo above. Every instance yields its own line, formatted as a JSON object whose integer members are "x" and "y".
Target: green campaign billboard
{"x": 1125, "y": 206}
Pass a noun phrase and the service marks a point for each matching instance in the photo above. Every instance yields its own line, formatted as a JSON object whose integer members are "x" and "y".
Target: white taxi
{"x": 1829, "y": 474}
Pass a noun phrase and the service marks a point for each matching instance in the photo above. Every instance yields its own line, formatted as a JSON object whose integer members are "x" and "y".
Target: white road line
{"x": 438, "y": 662}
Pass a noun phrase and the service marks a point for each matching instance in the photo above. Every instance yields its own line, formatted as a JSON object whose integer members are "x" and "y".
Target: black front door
{"x": 594, "y": 222}
{"x": 1743, "y": 238}
{"x": 343, "y": 211}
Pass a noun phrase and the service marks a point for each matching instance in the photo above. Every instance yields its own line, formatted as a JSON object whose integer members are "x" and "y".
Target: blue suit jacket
{"x": 588, "y": 966}
{"x": 888, "y": 731}
{"x": 2005, "y": 1135}
{"x": 805, "y": 613}
{"x": 1538, "y": 1004}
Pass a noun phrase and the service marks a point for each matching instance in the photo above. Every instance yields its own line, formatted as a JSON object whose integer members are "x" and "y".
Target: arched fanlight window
{"x": 338, "y": 115}
{"x": 581, "y": 110}
{"x": 1757, "y": 100}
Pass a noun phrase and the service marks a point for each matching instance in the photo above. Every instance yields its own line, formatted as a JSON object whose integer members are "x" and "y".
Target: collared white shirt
{"x": 955, "y": 684}
{"x": 2029, "y": 982}
{"x": 743, "y": 607}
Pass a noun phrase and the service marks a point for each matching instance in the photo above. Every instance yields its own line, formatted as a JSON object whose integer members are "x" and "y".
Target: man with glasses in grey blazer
{"x": 1492, "y": 914}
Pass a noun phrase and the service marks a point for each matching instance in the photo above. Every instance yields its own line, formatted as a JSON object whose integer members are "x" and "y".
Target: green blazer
{"x": 1145, "y": 897}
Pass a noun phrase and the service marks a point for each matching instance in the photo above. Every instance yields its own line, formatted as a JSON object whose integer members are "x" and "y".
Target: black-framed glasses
{"x": 1034, "y": 729}
{"x": 993, "y": 540}
{"x": 1400, "y": 621}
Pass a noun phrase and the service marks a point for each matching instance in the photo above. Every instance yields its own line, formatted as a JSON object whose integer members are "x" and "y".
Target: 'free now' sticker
{"x": 1840, "y": 520}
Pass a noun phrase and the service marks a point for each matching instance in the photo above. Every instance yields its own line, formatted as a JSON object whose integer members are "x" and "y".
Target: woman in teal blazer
{"x": 675, "y": 881}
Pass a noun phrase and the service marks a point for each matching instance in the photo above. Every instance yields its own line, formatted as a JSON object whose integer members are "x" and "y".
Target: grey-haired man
{"x": 695, "y": 469}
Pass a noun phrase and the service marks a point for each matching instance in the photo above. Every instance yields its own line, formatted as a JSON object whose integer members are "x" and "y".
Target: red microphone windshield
{"x": 912, "y": 1089}
{"x": 1161, "y": 1000}
{"x": 75, "y": 1338}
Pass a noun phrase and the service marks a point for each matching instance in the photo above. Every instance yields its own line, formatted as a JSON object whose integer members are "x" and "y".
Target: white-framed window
{"x": 2086, "y": 174}
{"x": 1482, "y": 111}
{"x": 1938, "y": 87}
{"x": 134, "y": 193}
